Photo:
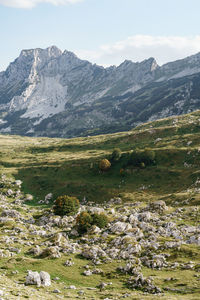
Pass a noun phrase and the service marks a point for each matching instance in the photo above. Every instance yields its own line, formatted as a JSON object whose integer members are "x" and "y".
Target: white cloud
{"x": 33, "y": 3}
{"x": 140, "y": 47}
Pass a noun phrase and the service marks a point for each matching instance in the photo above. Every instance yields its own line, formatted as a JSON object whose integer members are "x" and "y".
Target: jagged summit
{"x": 53, "y": 92}
{"x": 51, "y": 51}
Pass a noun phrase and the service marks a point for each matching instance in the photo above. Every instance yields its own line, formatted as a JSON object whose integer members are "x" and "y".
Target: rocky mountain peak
{"x": 51, "y": 51}
{"x": 145, "y": 65}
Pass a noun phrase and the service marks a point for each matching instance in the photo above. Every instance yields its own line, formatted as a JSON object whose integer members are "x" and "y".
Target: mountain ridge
{"x": 49, "y": 92}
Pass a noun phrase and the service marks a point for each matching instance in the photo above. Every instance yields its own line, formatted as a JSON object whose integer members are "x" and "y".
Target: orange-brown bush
{"x": 104, "y": 165}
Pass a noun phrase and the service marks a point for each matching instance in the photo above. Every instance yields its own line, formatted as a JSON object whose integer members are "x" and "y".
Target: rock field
{"x": 138, "y": 240}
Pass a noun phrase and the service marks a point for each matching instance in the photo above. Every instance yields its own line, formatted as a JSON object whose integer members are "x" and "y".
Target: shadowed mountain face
{"x": 47, "y": 92}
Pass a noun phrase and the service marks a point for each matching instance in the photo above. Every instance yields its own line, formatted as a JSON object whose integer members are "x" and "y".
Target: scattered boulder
{"x": 35, "y": 251}
{"x": 94, "y": 230}
{"x": 45, "y": 278}
{"x": 69, "y": 263}
{"x": 145, "y": 284}
{"x": 18, "y": 183}
{"x": 48, "y": 197}
{"x": 120, "y": 227}
{"x": 144, "y": 217}
{"x": 87, "y": 273}
{"x": 33, "y": 278}
{"x": 56, "y": 291}
{"x": 9, "y": 192}
{"x": 102, "y": 286}
{"x": 59, "y": 240}
{"x": 28, "y": 197}
{"x": 72, "y": 287}
{"x": 159, "y": 206}
{"x": 93, "y": 252}
{"x": 51, "y": 252}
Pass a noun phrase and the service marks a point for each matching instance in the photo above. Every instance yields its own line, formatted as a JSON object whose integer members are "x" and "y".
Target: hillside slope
{"x": 71, "y": 166}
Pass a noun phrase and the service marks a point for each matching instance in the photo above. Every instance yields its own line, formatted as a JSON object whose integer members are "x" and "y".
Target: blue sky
{"x": 102, "y": 31}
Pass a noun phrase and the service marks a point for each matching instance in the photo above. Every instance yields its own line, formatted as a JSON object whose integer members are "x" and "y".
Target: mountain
{"x": 47, "y": 92}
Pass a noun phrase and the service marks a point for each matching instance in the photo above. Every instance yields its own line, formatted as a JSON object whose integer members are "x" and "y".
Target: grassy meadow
{"x": 70, "y": 166}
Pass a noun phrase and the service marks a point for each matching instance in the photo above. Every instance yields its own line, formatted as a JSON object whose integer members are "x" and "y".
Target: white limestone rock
{"x": 45, "y": 278}
{"x": 33, "y": 278}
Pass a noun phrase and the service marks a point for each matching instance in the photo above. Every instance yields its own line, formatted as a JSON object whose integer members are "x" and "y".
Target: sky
{"x": 105, "y": 32}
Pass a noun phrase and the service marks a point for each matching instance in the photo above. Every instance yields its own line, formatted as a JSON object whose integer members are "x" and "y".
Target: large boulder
{"x": 33, "y": 278}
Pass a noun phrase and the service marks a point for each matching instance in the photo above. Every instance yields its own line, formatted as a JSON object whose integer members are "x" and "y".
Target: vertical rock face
{"x": 54, "y": 93}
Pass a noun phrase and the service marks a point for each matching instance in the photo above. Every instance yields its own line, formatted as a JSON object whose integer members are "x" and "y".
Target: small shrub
{"x": 100, "y": 220}
{"x": 66, "y": 205}
{"x": 84, "y": 221}
{"x": 116, "y": 155}
{"x": 104, "y": 165}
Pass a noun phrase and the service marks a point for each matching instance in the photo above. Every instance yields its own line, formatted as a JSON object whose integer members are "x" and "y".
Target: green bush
{"x": 100, "y": 220}
{"x": 84, "y": 221}
{"x": 104, "y": 165}
{"x": 116, "y": 154}
{"x": 142, "y": 158}
{"x": 66, "y": 205}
